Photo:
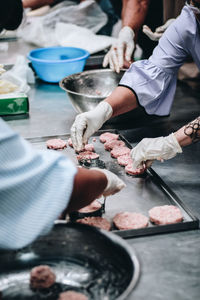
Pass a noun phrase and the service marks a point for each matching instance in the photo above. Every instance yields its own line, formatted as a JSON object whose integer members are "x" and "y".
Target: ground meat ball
{"x": 94, "y": 139}
{"x": 112, "y": 144}
{"x": 95, "y": 205}
{"x": 87, "y": 155}
{"x": 89, "y": 147}
{"x": 70, "y": 142}
{"x": 56, "y": 144}
{"x": 166, "y": 214}
{"x": 96, "y": 222}
{"x": 107, "y": 136}
{"x": 42, "y": 277}
{"x": 72, "y": 295}
{"x": 129, "y": 170}
{"x": 116, "y": 152}
{"x": 124, "y": 160}
{"x": 130, "y": 220}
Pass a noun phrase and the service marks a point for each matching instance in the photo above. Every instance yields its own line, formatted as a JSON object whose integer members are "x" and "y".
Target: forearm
{"x": 88, "y": 185}
{"x": 122, "y": 100}
{"x": 36, "y": 3}
{"x": 134, "y": 13}
{"x": 189, "y": 133}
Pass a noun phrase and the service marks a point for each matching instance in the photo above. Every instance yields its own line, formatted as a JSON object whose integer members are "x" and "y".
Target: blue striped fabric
{"x": 35, "y": 187}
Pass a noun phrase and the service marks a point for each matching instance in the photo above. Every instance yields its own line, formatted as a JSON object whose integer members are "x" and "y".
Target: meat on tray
{"x": 107, "y": 136}
{"x": 124, "y": 160}
{"x": 95, "y": 205}
{"x": 130, "y": 220}
{"x": 96, "y": 222}
{"x": 88, "y": 147}
{"x": 56, "y": 144}
{"x": 116, "y": 152}
{"x": 72, "y": 295}
{"x": 129, "y": 170}
{"x": 42, "y": 277}
{"x": 87, "y": 155}
{"x": 112, "y": 144}
{"x": 166, "y": 214}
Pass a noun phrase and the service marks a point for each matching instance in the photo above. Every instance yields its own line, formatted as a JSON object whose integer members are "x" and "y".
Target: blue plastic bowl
{"x": 54, "y": 63}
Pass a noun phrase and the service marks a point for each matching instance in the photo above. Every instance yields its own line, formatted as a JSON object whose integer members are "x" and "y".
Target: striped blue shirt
{"x": 35, "y": 187}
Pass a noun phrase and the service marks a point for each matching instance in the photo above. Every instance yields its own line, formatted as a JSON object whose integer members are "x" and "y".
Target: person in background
{"x": 134, "y": 14}
{"x": 36, "y": 187}
{"x": 163, "y": 148}
{"x": 149, "y": 83}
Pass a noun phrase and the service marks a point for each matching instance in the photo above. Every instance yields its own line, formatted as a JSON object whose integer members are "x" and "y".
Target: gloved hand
{"x": 157, "y": 148}
{"x": 155, "y": 36}
{"x": 87, "y": 123}
{"x": 122, "y": 49}
{"x": 114, "y": 185}
{"x": 2, "y": 69}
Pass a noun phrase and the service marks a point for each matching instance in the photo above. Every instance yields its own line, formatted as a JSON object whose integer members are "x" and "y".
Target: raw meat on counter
{"x": 56, "y": 144}
{"x": 129, "y": 170}
{"x": 116, "y": 152}
{"x": 42, "y": 277}
{"x": 87, "y": 155}
{"x": 107, "y": 136}
{"x": 124, "y": 160}
{"x": 72, "y": 295}
{"x": 112, "y": 144}
{"x": 166, "y": 214}
{"x": 130, "y": 220}
{"x": 96, "y": 222}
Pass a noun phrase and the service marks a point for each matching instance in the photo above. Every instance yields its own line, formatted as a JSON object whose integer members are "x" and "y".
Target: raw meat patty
{"x": 166, "y": 214}
{"x": 107, "y": 136}
{"x": 56, "y": 144}
{"x": 116, "y": 152}
{"x": 70, "y": 142}
{"x": 130, "y": 220}
{"x": 95, "y": 205}
{"x": 89, "y": 147}
{"x": 96, "y": 222}
{"x": 42, "y": 277}
{"x": 112, "y": 144}
{"x": 124, "y": 160}
{"x": 72, "y": 295}
{"x": 129, "y": 170}
{"x": 87, "y": 155}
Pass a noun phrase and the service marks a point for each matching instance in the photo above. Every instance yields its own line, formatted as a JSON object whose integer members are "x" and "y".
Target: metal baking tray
{"x": 140, "y": 195}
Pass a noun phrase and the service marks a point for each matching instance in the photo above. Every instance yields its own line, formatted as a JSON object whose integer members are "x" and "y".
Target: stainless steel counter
{"x": 170, "y": 262}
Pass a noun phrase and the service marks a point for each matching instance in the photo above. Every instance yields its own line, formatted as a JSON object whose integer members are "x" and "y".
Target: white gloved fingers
{"x": 115, "y": 60}
{"x": 154, "y": 36}
{"x": 161, "y": 29}
{"x": 148, "y": 163}
{"x": 77, "y": 132}
{"x": 112, "y": 67}
{"x": 114, "y": 183}
{"x": 129, "y": 51}
{"x": 120, "y": 54}
{"x": 106, "y": 59}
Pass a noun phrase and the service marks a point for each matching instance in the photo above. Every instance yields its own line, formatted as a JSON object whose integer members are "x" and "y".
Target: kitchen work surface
{"x": 170, "y": 263}
{"x": 142, "y": 192}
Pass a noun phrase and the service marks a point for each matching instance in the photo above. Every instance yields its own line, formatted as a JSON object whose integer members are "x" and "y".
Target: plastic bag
{"x": 40, "y": 30}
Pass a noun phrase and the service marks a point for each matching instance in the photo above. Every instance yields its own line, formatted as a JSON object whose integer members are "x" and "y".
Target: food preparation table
{"x": 170, "y": 263}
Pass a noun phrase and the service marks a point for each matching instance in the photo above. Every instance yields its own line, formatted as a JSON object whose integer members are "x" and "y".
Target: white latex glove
{"x": 114, "y": 185}
{"x": 87, "y": 123}
{"x": 122, "y": 49}
{"x": 160, "y": 148}
{"x": 155, "y": 36}
{"x": 2, "y": 69}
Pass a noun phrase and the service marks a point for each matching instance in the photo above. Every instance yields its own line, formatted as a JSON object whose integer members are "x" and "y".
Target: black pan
{"x": 96, "y": 263}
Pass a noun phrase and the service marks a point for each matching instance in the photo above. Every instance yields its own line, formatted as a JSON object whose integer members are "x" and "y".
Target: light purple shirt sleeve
{"x": 154, "y": 80}
{"x": 35, "y": 187}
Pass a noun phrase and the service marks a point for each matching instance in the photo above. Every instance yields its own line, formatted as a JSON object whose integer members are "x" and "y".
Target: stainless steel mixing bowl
{"x": 87, "y": 89}
{"x": 99, "y": 264}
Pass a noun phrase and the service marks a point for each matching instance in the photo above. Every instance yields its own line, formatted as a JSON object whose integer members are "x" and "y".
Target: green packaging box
{"x": 14, "y": 104}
